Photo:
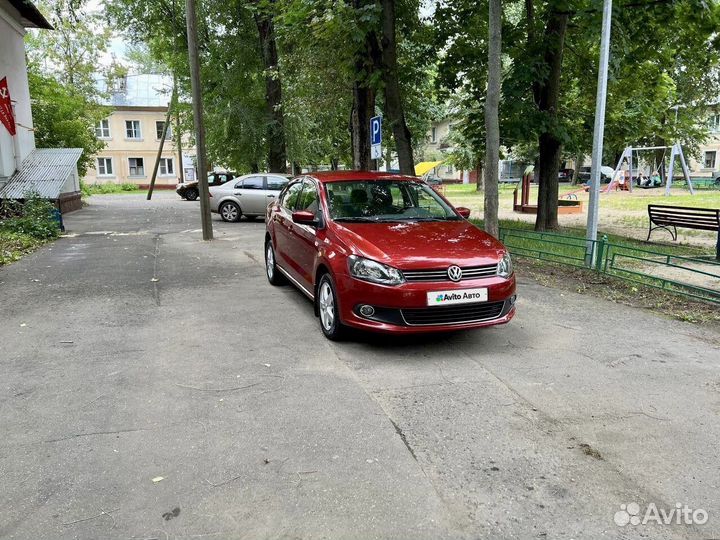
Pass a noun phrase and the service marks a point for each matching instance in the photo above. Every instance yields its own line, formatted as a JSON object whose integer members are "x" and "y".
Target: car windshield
{"x": 386, "y": 200}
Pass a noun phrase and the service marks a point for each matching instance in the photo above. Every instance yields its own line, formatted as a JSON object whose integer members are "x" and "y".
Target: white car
{"x": 247, "y": 195}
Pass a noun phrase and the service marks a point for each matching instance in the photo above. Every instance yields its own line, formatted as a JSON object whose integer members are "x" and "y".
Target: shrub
{"x": 104, "y": 189}
{"x": 36, "y": 218}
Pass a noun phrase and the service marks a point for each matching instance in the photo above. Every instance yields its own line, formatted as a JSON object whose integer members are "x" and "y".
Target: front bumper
{"x": 404, "y": 309}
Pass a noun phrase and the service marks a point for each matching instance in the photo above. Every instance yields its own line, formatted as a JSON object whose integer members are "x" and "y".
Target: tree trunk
{"x": 394, "y": 111}
{"x": 480, "y": 180}
{"x": 277, "y": 157}
{"x": 550, "y": 150}
{"x": 492, "y": 123}
{"x": 362, "y": 110}
{"x": 547, "y": 93}
{"x": 576, "y": 171}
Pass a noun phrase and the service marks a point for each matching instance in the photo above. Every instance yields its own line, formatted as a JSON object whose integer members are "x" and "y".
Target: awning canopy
{"x": 425, "y": 167}
{"x": 44, "y": 173}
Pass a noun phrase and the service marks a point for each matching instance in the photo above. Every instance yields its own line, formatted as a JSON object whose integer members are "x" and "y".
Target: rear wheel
{"x": 273, "y": 274}
{"x": 230, "y": 211}
{"x": 328, "y": 309}
{"x": 191, "y": 194}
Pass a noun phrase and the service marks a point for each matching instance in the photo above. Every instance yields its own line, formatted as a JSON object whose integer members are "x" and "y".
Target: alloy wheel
{"x": 327, "y": 306}
{"x": 230, "y": 212}
{"x": 269, "y": 261}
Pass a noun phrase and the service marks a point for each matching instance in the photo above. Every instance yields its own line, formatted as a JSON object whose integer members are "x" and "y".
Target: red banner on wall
{"x": 6, "y": 112}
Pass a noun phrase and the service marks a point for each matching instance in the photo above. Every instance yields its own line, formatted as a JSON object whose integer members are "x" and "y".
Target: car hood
{"x": 424, "y": 244}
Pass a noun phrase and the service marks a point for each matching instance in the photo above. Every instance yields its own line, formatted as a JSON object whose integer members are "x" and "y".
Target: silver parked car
{"x": 247, "y": 195}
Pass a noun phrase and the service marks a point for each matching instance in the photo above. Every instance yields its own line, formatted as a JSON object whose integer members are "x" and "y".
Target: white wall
{"x": 12, "y": 66}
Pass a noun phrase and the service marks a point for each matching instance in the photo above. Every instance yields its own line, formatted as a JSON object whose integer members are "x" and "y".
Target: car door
{"x": 303, "y": 243}
{"x": 252, "y": 195}
{"x": 273, "y": 186}
{"x": 283, "y": 223}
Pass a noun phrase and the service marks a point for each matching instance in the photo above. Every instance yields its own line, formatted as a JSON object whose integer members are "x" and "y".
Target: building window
{"x": 137, "y": 166}
{"x": 710, "y": 159}
{"x": 433, "y": 135}
{"x": 132, "y": 129}
{"x": 159, "y": 126}
{"x": 714, "y": 123}
{"x": 166, "y": 166}
{"x": 102, "y": 130}
{"x": 104, "y": 166}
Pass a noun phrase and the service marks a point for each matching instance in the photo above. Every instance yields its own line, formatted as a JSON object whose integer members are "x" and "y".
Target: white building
{"x": 23, "y": 168}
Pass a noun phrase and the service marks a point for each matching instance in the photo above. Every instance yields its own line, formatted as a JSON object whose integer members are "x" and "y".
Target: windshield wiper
{"x": 449, "y": 218}
{"x": 354, "y": 218}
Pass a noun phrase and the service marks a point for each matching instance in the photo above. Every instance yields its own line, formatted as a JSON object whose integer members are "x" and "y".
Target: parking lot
{"x": 155, "y": 386}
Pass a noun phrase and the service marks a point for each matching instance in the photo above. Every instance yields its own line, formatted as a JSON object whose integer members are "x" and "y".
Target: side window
{"x": 290, "y": 197}
{"x": 276, "y": 183}
{"x": 309, "y": 198}
{"x": 253, "y": 182}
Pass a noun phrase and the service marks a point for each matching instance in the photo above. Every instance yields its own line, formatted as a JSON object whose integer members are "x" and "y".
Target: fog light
{"x": 512, "y": 299}
{"x": 367, "y": 311}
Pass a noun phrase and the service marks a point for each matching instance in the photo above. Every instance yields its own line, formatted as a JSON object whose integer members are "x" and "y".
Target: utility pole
{"x": 178, "y": 135}
{"x": 598, "y": 134}
{"x": 198, "y": 119}
{"x": 162, "y": 143}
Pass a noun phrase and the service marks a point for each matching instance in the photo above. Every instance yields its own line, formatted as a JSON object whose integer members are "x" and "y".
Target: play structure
{"x": 625, "y": 181}
{"x": 565, "y": 206}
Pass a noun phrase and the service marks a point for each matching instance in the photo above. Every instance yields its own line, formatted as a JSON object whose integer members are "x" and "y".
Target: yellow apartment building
{"x": 132, "y": 136}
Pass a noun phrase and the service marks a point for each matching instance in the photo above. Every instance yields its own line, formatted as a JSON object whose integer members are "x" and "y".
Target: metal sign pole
{"x": 599, "y": 132}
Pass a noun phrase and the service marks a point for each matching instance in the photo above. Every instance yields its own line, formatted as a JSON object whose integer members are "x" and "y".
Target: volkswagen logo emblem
{"x": 454, "y": 273}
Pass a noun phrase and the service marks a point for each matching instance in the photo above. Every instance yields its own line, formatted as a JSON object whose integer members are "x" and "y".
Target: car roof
{"x": 349, "y": 176}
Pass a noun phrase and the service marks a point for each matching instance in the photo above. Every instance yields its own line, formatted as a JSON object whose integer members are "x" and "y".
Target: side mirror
{"x": 464, "y": 212}
{"x": 302, "y": 217}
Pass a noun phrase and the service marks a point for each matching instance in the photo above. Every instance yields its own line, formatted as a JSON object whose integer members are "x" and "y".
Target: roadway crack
{"x": 403, "y": 438}
{"x": 155, "y": 281}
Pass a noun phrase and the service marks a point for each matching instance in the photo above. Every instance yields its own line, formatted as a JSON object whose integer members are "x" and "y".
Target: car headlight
{"x": 505, "y": 268}
{"x": 375, "y": 272}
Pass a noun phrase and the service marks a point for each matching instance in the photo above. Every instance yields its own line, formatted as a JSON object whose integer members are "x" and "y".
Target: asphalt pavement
{"x": 153, "y": 385}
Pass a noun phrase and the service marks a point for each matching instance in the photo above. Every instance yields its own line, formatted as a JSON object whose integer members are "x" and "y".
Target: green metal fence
{"x": 694, "y": 277}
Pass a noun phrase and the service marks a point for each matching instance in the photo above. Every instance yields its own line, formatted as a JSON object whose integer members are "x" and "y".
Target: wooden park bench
{"x": 704, "y": 219}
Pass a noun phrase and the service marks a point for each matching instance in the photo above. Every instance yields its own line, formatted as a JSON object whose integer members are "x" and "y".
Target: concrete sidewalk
{"x": 155, "y": 386}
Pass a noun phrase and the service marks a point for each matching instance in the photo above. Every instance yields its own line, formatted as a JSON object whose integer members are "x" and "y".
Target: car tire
{"x": 230, "y": 211}
{"x": 274, "y": 275}
{"x": 191, "y": 194}
{"x": 327, "y": 306}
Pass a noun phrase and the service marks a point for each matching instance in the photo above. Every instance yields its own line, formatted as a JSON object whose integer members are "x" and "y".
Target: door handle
{"x": 273, "y": 196}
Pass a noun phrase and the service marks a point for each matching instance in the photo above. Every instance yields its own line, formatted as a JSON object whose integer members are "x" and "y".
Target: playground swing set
{"x": 653, "y": 180}
{"x": 622, "y": 180}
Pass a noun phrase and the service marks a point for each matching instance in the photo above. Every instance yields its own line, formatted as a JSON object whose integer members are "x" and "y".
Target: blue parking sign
{"x": 376, "y": 130}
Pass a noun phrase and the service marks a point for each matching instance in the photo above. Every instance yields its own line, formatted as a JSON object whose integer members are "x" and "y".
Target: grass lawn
{"x": 623, "y": 215}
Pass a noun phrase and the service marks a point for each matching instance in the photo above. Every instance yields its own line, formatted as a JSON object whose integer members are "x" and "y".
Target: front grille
{"x": 469, "y": 272}
{"x": 464, "y": 313}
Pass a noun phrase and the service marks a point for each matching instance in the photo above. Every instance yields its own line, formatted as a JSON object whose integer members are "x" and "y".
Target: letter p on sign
{"x": 376, "y": 130}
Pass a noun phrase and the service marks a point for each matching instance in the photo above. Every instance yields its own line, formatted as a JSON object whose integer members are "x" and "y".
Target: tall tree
{"x": 277, "y": 151}
{"x": 492, "y": 122}
{"x": 546, "y": 93}
{"x": 72, "y": 51}
{"x": 393, "y": 105}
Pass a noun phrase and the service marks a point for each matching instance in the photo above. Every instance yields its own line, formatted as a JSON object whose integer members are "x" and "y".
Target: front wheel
{"x": 273, "y": 274}
{"x": 191, "y": 194}
{"x": 328, "y": 309}
{"x": 229, "y": 211}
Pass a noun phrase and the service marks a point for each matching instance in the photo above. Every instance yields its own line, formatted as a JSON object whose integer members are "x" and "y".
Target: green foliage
{"x": 105, "y": 189}
{"x": 25, "y": 226}
{"x": 34, "y": 218}
{"x": 71, "y": 52}
{"x": 662, "y": 54}
{"x": 64, "y": 118}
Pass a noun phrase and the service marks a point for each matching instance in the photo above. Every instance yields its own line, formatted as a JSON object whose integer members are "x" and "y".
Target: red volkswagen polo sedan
{"x": 385, "y": 252}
